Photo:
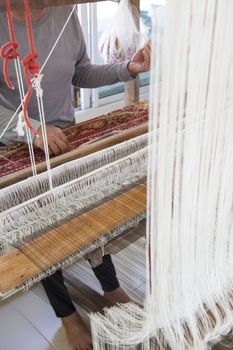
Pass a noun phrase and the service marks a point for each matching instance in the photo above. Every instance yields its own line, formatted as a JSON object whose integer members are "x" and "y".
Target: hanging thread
{"x": 33, "y": 79}
{"x": 42, "y": 68}
{"x": 31, "y": 65}
{"x": 9, "y": 52}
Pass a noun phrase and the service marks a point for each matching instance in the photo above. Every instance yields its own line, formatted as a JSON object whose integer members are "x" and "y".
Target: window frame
{"x": 90, "y": 98}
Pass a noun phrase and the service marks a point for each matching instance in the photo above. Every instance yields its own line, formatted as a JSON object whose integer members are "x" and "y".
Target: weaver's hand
{"x": 140, "y": 62}
{"x": 57, "y": 141}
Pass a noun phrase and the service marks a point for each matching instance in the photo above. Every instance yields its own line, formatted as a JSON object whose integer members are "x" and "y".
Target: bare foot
{"x": 117, "y": 296}
{"x": 77, "y": 333}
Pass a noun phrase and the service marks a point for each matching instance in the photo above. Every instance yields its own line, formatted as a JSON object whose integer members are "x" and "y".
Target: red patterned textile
{"x": 15, "y": 158}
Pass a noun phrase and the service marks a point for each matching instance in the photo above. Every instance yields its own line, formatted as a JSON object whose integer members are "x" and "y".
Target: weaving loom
{"x": 29, "y": 262}
{"x": 54, "y": 212}
{"x": 189, "y": 255}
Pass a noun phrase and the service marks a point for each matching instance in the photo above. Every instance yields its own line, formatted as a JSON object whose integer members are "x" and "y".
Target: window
{"x": 104, "y": 13}
{"x": 94, "y": 19}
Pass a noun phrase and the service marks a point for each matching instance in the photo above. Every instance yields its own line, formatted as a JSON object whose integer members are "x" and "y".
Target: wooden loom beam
{"x": 19, "y": 4}
{"x": 82, "y": 151}
{"x": 19, "y": 265}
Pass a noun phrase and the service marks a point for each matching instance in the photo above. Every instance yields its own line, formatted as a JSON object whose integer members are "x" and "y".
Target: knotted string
{"x": 31, "y": 65}
{"x": 42, "y": 68}
{"x": 33, "y": 79}
{"x": 9, "y": 51}
{"x": 37, "y": 86}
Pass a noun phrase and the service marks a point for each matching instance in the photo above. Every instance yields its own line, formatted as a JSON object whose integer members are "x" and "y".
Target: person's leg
{"x": 58, "y": 295}
{"x": 106, "y": 274}
{"x": 77, "y": 333}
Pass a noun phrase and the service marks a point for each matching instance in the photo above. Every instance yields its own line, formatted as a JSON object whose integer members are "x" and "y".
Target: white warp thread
{"x": 76, "y": 256}
{"x": 190, "y": 182}
{"x": 51, "y": 208}
{"x": 122, "y": 38}
{"x": 32, "y": 187}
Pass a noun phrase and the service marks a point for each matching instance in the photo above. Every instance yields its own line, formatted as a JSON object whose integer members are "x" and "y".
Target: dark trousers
{"x": 58, "y": 294}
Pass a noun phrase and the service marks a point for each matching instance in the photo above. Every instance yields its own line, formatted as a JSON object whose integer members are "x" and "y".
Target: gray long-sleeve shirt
{"x": 69, "y": 65}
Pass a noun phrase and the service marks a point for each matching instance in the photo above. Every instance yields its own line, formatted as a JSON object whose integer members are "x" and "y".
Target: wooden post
{"x": 132, "y": 87}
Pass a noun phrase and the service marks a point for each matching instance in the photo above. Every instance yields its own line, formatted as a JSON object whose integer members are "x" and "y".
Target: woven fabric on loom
{"x": 15, "y": 158}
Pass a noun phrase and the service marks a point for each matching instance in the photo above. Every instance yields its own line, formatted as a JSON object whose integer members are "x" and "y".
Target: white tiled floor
{"x": 27, "y": 321}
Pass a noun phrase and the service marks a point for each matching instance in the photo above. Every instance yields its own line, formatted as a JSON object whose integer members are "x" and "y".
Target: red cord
{"x": 9, "y": 50}
{"x": 10, "y": 22}
{"x": 31, "y": 65}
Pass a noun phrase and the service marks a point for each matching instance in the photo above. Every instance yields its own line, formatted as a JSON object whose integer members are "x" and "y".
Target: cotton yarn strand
{"x": 189, "y": 301}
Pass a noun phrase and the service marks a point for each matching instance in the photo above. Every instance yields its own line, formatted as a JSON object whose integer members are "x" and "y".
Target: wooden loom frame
{"x": 18, "y": 263}
{"x": 17, "y": 257}
{"x": 91, "y": 226}
{"x": 21, "y": 267}
{"x": 84, "y": 150}
{"x": 91, "y": 146}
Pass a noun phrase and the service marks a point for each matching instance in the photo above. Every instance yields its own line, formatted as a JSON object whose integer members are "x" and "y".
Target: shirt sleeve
{"x": 10, "y": 134}
{"x": 89, "y": 75}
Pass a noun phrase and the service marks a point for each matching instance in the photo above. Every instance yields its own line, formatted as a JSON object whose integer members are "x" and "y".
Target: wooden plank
{"x": 21, "y": 264}
{"x": 132, "y": 88}
{"x": 19, "y": 4}
{"x": 94, "y": 146}
{"x": 129, "y": 237}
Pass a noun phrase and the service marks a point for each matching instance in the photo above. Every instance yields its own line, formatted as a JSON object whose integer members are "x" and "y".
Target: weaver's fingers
{"x": 38, "y": 143}
{"x": 63, "y": 138}
{"x": 146, "y": 55}
{"x": 62, "y": 145}
{"x": 149, "y": 44}
{"x": 54, "y": 148}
